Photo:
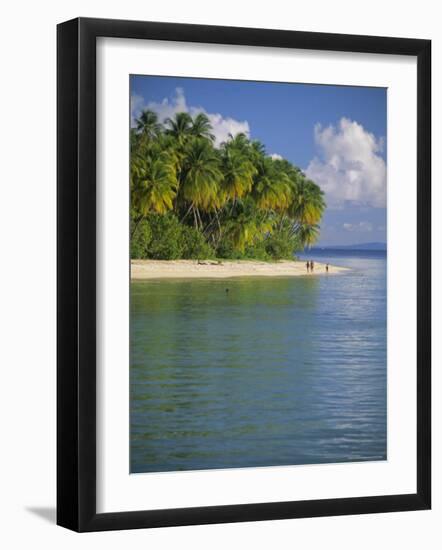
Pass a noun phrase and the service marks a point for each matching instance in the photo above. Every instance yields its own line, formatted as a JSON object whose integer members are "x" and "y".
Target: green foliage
{"x": 166, "y": 242}
{"x": 258, "y": 251}
{"x": 226, "y": 249}
{"x": 192, "y": 199}
{"x": 280, "y": 246}
{"x": 140, "y": 240}
{"x": 272, "y": 246}
{"x": 195, "y": 245}
{"x": 202, "y": 174}
{"x": 164, "y": 238}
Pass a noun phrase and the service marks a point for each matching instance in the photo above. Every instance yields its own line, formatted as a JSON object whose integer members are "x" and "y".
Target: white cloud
{"x": 222, "y": 126}
{"x": 349, "y": 167}
{"x": 275, "y": 156}
{"x": 361, "y": 227}
{"x": 136, "y": 106}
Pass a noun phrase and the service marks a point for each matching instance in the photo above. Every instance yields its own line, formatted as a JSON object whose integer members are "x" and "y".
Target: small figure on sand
{"x": 312, "y": 266}
{"x": 308, "y": 267}
{"x": 326, "y": 268}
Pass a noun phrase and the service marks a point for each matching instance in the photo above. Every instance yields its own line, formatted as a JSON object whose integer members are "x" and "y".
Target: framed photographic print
{"x": 243, "y": 274}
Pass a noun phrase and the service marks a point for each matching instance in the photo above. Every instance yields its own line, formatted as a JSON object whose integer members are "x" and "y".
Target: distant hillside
{"x": 360, "y": 246}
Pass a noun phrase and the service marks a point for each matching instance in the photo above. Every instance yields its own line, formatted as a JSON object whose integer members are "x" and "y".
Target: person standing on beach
{"x": 312, "y": 266}
{"x": 326, "y": 268}
{"x": 308, "y": 267}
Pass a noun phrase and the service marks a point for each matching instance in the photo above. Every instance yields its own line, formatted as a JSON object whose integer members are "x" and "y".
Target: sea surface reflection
{"x": 276, "y": 371}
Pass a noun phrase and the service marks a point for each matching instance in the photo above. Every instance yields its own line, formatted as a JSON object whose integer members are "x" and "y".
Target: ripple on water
{"x": 283, "y": 371}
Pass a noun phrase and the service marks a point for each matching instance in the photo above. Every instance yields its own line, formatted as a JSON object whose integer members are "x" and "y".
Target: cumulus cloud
{"x": 168, "y": 107}
{"x": 275, "y": 156}
{"x": 349, "y": 166}
{"x": 136, "y": 106}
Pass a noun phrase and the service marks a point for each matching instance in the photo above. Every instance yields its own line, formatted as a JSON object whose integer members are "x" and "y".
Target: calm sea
{"x": 276, "y": 371}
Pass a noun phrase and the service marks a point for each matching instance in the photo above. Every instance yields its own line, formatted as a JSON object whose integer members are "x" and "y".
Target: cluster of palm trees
{"x": 233, "y": 193}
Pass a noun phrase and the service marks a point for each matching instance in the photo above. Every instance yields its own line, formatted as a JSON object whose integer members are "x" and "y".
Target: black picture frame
{"x": 77, "y": 287}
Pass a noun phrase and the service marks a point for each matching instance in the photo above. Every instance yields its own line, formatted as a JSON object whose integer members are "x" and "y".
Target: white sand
{"x": 183, "y": 269}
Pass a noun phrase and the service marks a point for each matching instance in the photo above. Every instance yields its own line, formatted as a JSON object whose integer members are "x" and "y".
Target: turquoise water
{"x": 276, "y": 371}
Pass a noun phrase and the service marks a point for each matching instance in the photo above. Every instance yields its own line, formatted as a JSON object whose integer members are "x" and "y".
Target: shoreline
{"x": 224, "y": 269}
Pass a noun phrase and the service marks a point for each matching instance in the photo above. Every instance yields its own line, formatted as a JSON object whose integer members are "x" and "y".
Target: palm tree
{"x": 201, "y": 177}
{"x": 307, "y": 234}
{"x": 308, "y": 203}
{"x": 153, "y": 184}
{"x": 257, "y": 151}
{"x": 247, "y": 228}
{"x": 235, "y": 192}
{"x": 272, "y": 189}
{"x": 180, "y": 127}
{"x": 238, "y": 171}
{"x": 239, "y": 142}
{"x": 201, "y": 127}
{"x": 147, "y": 125}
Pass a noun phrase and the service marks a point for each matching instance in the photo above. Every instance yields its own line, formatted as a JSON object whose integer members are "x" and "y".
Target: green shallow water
{"x": 276, "y": 371}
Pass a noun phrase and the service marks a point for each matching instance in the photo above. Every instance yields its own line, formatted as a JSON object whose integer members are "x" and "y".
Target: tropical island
{"x": 193, "y": 200}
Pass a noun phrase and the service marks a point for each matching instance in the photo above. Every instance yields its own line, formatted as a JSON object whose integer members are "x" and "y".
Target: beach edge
{"x": 225, "y": 269}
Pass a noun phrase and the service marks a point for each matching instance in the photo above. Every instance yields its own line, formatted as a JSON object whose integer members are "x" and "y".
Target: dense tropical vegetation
{"x": 191, "y": 199}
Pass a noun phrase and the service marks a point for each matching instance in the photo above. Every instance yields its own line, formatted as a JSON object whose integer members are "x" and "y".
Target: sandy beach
{"x": 182, "y": 269}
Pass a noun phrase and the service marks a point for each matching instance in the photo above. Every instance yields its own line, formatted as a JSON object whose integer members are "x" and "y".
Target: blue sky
{"x": 336, "y": 134}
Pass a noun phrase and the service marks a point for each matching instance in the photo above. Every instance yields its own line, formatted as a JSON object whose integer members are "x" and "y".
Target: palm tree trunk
{"x": 212, "y": 220}
{"x": 219, "y": 226}
{"x": 208, "y": 226}
{"x": 199, "y": 218}
{"x": 233, "y": 205}
{"x": 187, "y": 213}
